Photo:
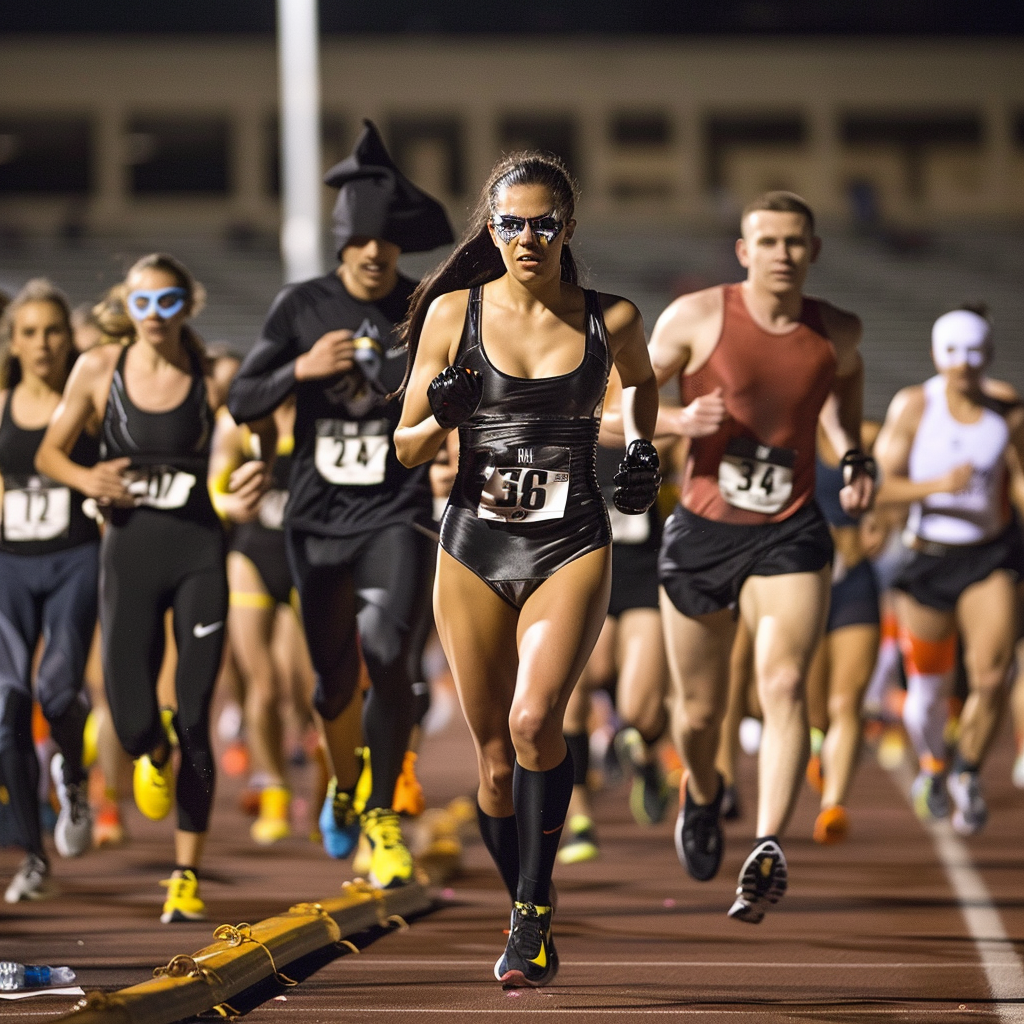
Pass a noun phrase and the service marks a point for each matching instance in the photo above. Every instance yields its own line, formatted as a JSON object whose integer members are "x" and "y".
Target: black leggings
{"x": 376, "y": 584}
{"x": 153, "y": 562}
{"x": 54, "y": 596}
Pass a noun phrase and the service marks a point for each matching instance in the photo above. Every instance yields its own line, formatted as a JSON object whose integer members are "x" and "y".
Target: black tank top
{"x": 40, "y": 516}
{"x": 531, "y": 446}
{"x": 170, "y": 451}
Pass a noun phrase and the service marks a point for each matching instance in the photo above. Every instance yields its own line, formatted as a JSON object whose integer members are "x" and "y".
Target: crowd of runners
{"x": 656, "y": 551}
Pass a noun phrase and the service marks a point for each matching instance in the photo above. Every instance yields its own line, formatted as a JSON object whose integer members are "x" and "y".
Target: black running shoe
{"x": 762, "y": 882}
{"x": 731, "y": 810}
{"x": 699, "y": 839}
{"x": 530, "y": 959}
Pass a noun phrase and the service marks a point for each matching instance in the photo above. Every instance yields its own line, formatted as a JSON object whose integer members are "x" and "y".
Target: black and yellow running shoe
{"x": 530, "y": 959}
{"x": 390, "y": 860}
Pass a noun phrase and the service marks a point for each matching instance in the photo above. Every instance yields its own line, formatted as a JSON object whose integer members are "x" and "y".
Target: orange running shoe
{"x": 831, "y": 825}
{"x": 107, "y": 829}
{"x": 234, "y": 762}
{"x": 408, "y": 798}
{"x": 814, "y": 777}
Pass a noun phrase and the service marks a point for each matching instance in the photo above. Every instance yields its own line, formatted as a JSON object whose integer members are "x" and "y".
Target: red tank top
{"x": 774, "y": 385}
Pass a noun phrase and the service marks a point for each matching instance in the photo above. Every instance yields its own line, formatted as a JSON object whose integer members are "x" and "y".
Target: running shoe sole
{"x": 763, "y": 880}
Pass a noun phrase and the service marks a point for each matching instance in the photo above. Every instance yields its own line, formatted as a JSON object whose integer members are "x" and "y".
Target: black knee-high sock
{"x": 579, "y": 750}
{"x": 67, "y": 730}
{"x": 541, "y": 800}
{"x": 19, "y": 769}
{"x": 501, "y": 837}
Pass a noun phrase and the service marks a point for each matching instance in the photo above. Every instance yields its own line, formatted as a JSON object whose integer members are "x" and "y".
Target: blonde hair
{"x": 38, "y": 289}
{"x": 111, "y": 312}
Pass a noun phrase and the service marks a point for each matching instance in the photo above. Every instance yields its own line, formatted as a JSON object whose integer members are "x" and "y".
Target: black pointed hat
{"x": 376, "y": 200}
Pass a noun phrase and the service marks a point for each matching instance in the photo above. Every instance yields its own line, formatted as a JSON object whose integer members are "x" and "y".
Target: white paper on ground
{"x": 27, "y": 993}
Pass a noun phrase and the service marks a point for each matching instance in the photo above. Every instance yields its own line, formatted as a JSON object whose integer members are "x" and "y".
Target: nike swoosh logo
{"x": 552, "y": 831}
{"x": 541, "y": 959}
{"x": 199, "y": 630}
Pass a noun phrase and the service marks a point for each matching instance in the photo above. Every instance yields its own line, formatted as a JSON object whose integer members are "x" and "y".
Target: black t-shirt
{"x": 345, "y": 478}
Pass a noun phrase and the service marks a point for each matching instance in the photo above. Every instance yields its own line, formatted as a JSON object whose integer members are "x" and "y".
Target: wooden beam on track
{"x": 245, "y": 955}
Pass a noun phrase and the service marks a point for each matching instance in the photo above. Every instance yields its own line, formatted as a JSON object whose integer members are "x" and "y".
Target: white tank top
{"x": 941, "y": 443}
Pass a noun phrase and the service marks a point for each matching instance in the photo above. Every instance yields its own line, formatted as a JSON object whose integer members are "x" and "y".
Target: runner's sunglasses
{"x": 508, "y": 228}
{"x": 165, "y": 302}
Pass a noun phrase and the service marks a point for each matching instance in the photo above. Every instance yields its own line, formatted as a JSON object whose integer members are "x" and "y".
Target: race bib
{"x": 756, "y": 477}
{"x": 271, "y": 514}
{"x": 534, "y": 489}
{"x": 628, "y": 529}
{"x": 350, "y": 453}
{"x": 38, "y": 510}
{"x": 159, "y": 487}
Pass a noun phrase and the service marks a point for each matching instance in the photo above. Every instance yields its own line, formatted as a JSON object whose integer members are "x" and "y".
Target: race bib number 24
{"x": 352, "y": 453}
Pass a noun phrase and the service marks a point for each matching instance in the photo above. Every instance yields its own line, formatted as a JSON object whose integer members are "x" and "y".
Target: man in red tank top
{"x": 758, "y": 365}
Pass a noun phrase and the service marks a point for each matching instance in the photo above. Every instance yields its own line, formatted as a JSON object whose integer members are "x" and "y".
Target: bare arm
{"x": 418, "y": 436}
{"x": 633, "y": 365}
{"x": 84, "y": 399}
{"x": 236, "y": 485}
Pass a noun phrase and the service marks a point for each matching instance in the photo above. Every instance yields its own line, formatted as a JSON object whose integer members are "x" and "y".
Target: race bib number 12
{"x": 35, "y": 510}
{"x": 534, "y": 489}
{"x": 756, "y": 477}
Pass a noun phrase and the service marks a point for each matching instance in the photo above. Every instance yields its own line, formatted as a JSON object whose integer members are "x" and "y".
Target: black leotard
{"x": 170, "y": 451}
{"x": 40, "y": 516}
{"x": 531, "y": 445}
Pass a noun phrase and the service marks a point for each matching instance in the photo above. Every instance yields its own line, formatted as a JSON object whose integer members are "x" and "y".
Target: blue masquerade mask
{"x": 165, "y": 302}
{"x": 508, "y": 228}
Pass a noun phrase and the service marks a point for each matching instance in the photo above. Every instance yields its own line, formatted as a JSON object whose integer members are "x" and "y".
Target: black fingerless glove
{"x": 454, "y": 395}
{"x": 855, "y": 462}
{"x": 638, "y": 478}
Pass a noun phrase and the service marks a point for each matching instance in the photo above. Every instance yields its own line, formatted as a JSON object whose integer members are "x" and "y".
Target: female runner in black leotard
{"x": 163, "y": 546}
{"x": 48, "y": 573}
{"x": 506, "y": 346}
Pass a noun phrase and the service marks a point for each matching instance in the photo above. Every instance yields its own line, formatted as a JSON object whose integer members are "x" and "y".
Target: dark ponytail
{"x": 476, "y": 260}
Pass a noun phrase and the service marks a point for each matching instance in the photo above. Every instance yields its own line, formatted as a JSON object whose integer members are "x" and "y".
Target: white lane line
{"x": 1003, "y": 969}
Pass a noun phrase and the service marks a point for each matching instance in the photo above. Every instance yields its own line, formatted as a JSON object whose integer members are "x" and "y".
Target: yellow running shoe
{"x": 153, "y": 787}
{"x": 183, "y": 902}
{"x": 272, "y": 824}
{"x": 390, "y": 859}
{"x": 409, "y": 798}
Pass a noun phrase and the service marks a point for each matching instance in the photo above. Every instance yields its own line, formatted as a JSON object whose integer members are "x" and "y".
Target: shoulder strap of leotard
{"x": 471, "y": 325}
{"x": 597, "y": 333}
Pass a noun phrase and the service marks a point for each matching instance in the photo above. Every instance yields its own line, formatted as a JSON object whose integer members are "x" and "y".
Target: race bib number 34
{"x": 352, "y": 453}
{"x": 534, "y": 489}
{"x": 756, "y": 477}
{"x": 37, "y": 510}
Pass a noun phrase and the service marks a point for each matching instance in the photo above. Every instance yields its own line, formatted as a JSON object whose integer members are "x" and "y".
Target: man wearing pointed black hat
{"x": 358, "y": 524}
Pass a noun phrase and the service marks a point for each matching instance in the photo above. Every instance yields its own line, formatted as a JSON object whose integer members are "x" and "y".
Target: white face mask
{"x": 960, "y": 338}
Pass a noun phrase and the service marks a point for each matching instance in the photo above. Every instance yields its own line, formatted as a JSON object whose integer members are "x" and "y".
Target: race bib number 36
{"x": 756, "y": 477}
{"x": 534, "y": 489}
{"x": 354, "y": 454}
{"x": 38, "y": 510}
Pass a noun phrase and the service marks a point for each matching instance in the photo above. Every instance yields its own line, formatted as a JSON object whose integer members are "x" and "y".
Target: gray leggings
{"x": 53, "y": 596}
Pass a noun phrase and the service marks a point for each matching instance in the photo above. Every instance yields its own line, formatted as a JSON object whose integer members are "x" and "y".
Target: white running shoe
{"x": 72, "y": 835}
{"x": 1018, "y": 771}
{"x": 31, "y": 881}
{"x": 971, "y": 810}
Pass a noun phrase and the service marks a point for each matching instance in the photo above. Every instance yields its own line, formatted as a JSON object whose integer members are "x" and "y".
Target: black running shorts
{"x": 634, "y": 578}
{"x": 937, "y": 581}
{"x": 703, "y": 564}
{"x": 855, "y": 600}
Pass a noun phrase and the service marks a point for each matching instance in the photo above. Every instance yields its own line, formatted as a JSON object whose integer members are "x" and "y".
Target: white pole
{"x": 298, "y": 57}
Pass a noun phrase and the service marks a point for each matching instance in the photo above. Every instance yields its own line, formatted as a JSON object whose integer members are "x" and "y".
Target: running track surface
{"x": 877, "y": 929}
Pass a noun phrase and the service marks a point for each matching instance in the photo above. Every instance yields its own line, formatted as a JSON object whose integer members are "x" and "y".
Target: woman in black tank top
{"x": 517, "y": 356}
{"x": 163, "y": 546}
{"x": 48, "y": 577}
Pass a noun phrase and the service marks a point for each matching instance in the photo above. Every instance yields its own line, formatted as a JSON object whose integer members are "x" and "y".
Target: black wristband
{"x": 856, "y": 461}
